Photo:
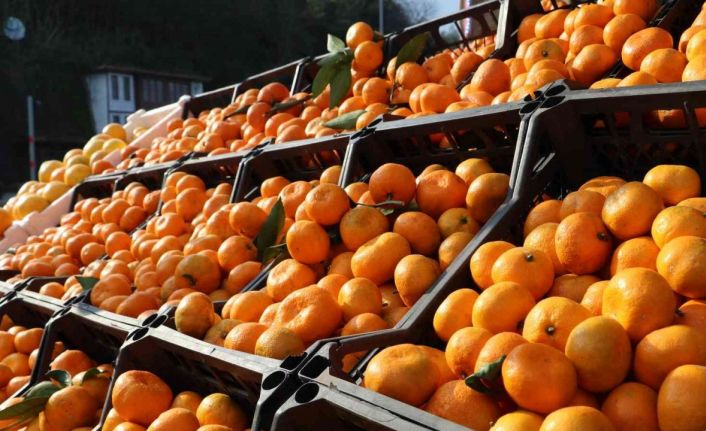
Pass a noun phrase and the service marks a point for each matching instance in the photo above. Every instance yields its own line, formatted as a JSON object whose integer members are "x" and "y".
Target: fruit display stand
{"x": 207, "y": 100}
{"x": 296, "y": 75}
{"x": 608, "y": 132}
{"x": 188, "y": 364}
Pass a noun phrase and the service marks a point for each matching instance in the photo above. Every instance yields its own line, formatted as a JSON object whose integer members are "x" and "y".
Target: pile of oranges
{"x": 94, "y": 228}
{"x": 75, "y": 404}
{"x": 19, "y": 349}
{"x": 576, "y": 328}
{"x": 57, "y": 177}
{"x": 141, "y": 400}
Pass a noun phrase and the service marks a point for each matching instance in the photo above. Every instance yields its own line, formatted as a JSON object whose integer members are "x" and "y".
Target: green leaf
{"x": 336, "y": 58}
{"x": 346, "y": 121}
{"x": 270, "y": 229}
{"x": 91, "y": 373}
{"x": 482, "y": 380}
{"x": 42, "y": 389}
{"x": 273, "y": 252}
{"x": 340, "y": 85}
{"x": 61, "y": 376}
{"x": 322, "y": 79}
{"x": 25, "y": 409}
{"x": 334, "y": 44}
{"x": 283, "y": 106}
{"x": 412, "y": 50}
{"x": 87, "y": 283}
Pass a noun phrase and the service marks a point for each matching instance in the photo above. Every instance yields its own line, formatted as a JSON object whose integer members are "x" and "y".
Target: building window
{"x": 127, "y": 88}
{"x": 114, "y": 88}
{"x": 118, "y": 117}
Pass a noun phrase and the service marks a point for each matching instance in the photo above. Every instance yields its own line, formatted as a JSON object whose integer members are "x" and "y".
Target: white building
{"x": 116, "y": 92}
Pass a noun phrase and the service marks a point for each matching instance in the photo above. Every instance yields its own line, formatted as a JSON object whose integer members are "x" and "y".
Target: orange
{"x": 492, "y": 76}
{"x": 692, "y": 313}
{"x": 438, "y": 66}
{"x": 326, "y": 204}
{"x": 188, "y": 400}
{"x": 538, "y": 377}
{"x": 140, "y": 396}
{"x": 412, "y": 379}
{"x": 620, "y": 28}
{"x": 288, "y": 276}
{"x": 106, "y": 287}
{"x": 601, "y": 352}
{"x": 579, "y": 418}
{"x": 674, "y": 183}
{"x": 439, "y": 191}
{"x": 678, "y": 221}
{"x": 362, "y": 323}
{"x": 243, "y": 337}
{"x": 681, "y": 263}
{"x": 530, "y": 269}
{"x": 680, "y": 398}
{"x": 72, "y": 361}
{"x": 464, "y": 65}
{"x": 584, "y": 36}
{"x": 638, "y": 252}
{"x": 539, "y": 50}
{"x": 519, "y": 420}
{"x": 293, "y": 195}
{"x": 665, "y": 349}
{"x": 194, "y": 315}
{"x": 640, "y": 44}
{"x": 463, "y": 348}
{"x": 640, "y": 300}
{"x": 176, "y": 419}
{"x": 544, "y": 212}
{"x": 593, "y": 14}
{"x": 644, "y": 8}
{"x": 71, "y": 407}
{"x": 248, "y": 306}
{"x": 592, "y": 63}
{"x": 632, "y": 406}
{"x": 485, "y": 194}
{"x": 687, "y": 35}
{"x": 307, "y": 242}
{"x": 484, "y": 258}
{"x": 414, "y": 275}
{"x": 502, "y": 307}
{"x": 420, "y": 230}
{"x": 437, "y": 97}
{"x": 572, "y": 286}
{"x": 500, "y": 344}
{"x": 357, "y": 33}
{"x": 273, "y": 92}
{"x": 666, "y": 65}
{"x": 311, "y": 313}
{"x": 583, "y": 243}
{"x": 462, "y": 405}
{"x": 272, "y": 186}
{"x": 581, "y": 201}
{"x": 377, "y": 258}
{"x": 199, "y": 272}
{"x": 630, "y": 210}
{"x": 551, "y": 24}
{"x": 694, "y": 71}
{"x": 376, "y": 90}
{"x": 410, "y": 75}
{"x": 220, "y": 409}
{"x": 358, "y": 296}
{"x": 368, "y": 56}
{"x": 456, "y": 220}
{"x": 552, "y": 320}
{"x": 392, "y": 181}
{"x": 246, "y": 219}
{"x": 454, "y": 313}
{"x": 361, "y": 224}
{"x": 470, "y": 169}
{"x": 451, "y": 247}
{"x": 542, "y": 239}
{"x": 636, "y": 79}
{"x": 241, "y": 275}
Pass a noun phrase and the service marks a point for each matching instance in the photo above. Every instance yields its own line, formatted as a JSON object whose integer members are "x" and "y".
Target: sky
{"x": 441, "y": 7}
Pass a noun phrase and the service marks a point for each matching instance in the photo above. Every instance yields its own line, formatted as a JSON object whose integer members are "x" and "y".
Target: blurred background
{"x": 75, "y": 57}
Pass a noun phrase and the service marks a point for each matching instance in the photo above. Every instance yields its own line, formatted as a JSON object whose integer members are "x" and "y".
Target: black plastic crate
{"x": 594, "y": 139}
{"x": 30, "y": 288}
{"x": 188, "y": 364}
{"x": 97, "y": 186}
{"x": 297, "y": 76}
{"x": 149, "y": 176}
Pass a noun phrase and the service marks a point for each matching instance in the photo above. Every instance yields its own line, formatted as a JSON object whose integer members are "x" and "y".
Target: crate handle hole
{"x": 306, "y": 393}
{"x": 273, "y": 380}
{"x": 158, "y": 320}
{"x": 552, "y": 102}
{"x": 138, "y": 333}
{"x": 292, "y": 362}
{"x": 149, "y": 319}
{"x": 529, "y": 107}
{"x": 556, "y": 90}
{"x": 315, "y": 367}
